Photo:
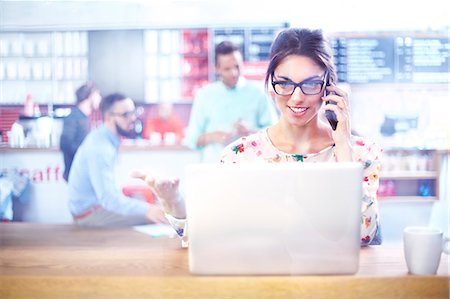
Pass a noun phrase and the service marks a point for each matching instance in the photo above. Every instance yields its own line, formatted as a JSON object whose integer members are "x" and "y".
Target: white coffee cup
{"x": 423, "y": 247}
{"x": 170, "y": 138}
{"x": 155, "y": 138}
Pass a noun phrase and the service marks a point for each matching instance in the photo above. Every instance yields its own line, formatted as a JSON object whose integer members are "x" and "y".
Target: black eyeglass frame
{"x": 300, "y": 85}
{"x": 127, "y": 114}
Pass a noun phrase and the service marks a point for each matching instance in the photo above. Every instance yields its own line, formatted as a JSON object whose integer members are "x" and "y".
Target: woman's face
{"x": 299, "y": 108}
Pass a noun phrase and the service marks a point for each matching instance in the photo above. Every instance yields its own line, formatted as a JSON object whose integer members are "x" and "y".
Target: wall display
{"x": 396, "y": 59}
{"x": 163, "y": 65}
{"x": 364, "y": 60}
{"x": 48, "y": 65}
{"x": 234, "y": 35}
{"x": 195, "y": 61}
{"x": 260, "y": 41}
{"x": 176, "y": 64}
{"x": 179, "y": 62}
{"x": 411, "y": 174}
{"x": 423, "y": 60}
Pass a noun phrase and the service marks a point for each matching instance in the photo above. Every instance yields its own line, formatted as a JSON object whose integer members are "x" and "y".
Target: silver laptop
{"x": 274, "y": 219}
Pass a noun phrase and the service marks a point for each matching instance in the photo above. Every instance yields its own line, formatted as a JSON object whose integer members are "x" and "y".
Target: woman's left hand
{"x": 342, "y": 134}
{"x": 342, "y": 111}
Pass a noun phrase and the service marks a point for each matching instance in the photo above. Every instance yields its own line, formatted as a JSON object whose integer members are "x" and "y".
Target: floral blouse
{"x": 258, "y": 147}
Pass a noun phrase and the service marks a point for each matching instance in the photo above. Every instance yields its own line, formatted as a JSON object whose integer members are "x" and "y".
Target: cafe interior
{"x": 392, "y": 59}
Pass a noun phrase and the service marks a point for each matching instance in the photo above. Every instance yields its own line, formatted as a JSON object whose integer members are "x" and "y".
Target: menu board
{"x": 254, "y": 43}
{"x": 423, "y": 60}
{"x": 259, "y": 44}
{"x": 236, "y": 36}
{"x": 392, "y": 59}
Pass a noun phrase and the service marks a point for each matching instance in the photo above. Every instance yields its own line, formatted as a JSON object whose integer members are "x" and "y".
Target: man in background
{"x": 94, "y": 198}
{"x": 76, "y": 125}
{"x": 165, "y": 123}
{"x": 228, "y": 108}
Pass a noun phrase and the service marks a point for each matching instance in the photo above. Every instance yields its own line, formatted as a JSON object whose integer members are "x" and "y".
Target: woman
{"x": 302, "y": 75}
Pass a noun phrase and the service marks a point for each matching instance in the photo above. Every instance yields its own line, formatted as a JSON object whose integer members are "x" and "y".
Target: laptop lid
{"x": 267, "y": 219}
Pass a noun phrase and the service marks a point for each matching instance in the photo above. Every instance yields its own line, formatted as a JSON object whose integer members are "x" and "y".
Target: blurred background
{"x": 392, "y": 58}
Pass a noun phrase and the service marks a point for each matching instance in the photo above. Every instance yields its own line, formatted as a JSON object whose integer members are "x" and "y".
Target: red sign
{"x": 255, "y": 70}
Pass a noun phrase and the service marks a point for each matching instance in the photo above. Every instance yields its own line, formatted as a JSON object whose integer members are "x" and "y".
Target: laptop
{"x": 274, "y": 219}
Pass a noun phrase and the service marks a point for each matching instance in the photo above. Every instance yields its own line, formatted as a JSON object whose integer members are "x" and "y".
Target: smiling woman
{"x": 301, "y": 135}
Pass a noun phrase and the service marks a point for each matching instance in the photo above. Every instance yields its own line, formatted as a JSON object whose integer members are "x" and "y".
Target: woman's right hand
{"x": 167, "y": 192}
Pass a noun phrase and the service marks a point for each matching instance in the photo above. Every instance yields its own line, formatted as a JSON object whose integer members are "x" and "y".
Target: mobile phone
{"x": 330, "y": 115}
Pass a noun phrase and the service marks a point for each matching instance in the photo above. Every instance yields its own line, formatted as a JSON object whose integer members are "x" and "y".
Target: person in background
{"x": 94, "y": 198}
{"x": 302, "y": 74}
{"x": 228, "y": 108}
{"x": 165, "y": 122}
{"x": 76, "y": 125}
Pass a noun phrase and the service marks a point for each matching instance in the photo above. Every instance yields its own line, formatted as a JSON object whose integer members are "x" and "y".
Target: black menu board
{"x": 236, "y": 36}
{"x": 254, "y": 43}
{"x": 423, "y": 60}
{"x": 392, "y": 59}
{"x": 259, "y": 44}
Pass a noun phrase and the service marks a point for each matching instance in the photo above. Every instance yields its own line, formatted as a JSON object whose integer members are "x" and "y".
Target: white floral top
{"x": 258, "y": 147}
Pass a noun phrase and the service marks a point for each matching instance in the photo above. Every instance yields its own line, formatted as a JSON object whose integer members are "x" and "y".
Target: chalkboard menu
{"x": 254, "y": 43}
{"x": 259, "y": 44}
{"x": 392, "y": 59}
{"x": 236, "y": 36}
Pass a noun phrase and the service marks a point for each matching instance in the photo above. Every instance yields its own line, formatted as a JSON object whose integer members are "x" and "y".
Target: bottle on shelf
{"x": 425, "y": 188}
{"x": 36, "y": 110}
{"x": 28, "y": 108}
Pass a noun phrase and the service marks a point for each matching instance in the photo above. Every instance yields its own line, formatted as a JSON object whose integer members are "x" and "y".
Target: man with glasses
{"x": 227, "y": 109}
{"x": 94, "y": 198}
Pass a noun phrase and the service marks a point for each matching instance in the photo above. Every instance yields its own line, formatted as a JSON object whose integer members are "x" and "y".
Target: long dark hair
{"x": 303, "y": 42}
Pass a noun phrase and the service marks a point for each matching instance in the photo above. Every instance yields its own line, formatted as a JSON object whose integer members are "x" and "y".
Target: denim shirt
{"x": 92, "y": 177}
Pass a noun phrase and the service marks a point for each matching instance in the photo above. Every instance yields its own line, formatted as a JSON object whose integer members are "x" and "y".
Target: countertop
{"x": 63, "y": 261}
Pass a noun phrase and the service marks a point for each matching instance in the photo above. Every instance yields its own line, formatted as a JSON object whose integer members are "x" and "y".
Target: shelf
{"x": 73, "y": 80}
{"x": 195, "y": 77}
{"x": 410, "y": 185}
{"x": 27, "y": 80}
{"x": 195, "y": 55}
{"x": 423, "y": 199}
{"x": 26, "y": 57}
{"x": 36, "y": 64}
{"x": 407, "y": 175}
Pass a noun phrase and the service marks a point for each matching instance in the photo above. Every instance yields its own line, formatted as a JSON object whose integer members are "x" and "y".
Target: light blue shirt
{"x": 217, "y": 107}
{"x": 92, "y": 177}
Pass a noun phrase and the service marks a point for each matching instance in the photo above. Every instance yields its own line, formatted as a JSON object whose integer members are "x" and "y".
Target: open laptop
{"x": 274, "y": 219}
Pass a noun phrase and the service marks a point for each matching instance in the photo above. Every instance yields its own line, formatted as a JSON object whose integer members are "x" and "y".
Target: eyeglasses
{"x": 128, "y": 114}
{"x": 308, "y": 86}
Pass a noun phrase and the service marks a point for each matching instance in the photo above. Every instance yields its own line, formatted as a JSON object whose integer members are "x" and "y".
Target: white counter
{"x": 48, "y": 201}
{"x": 48, "y": 193}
